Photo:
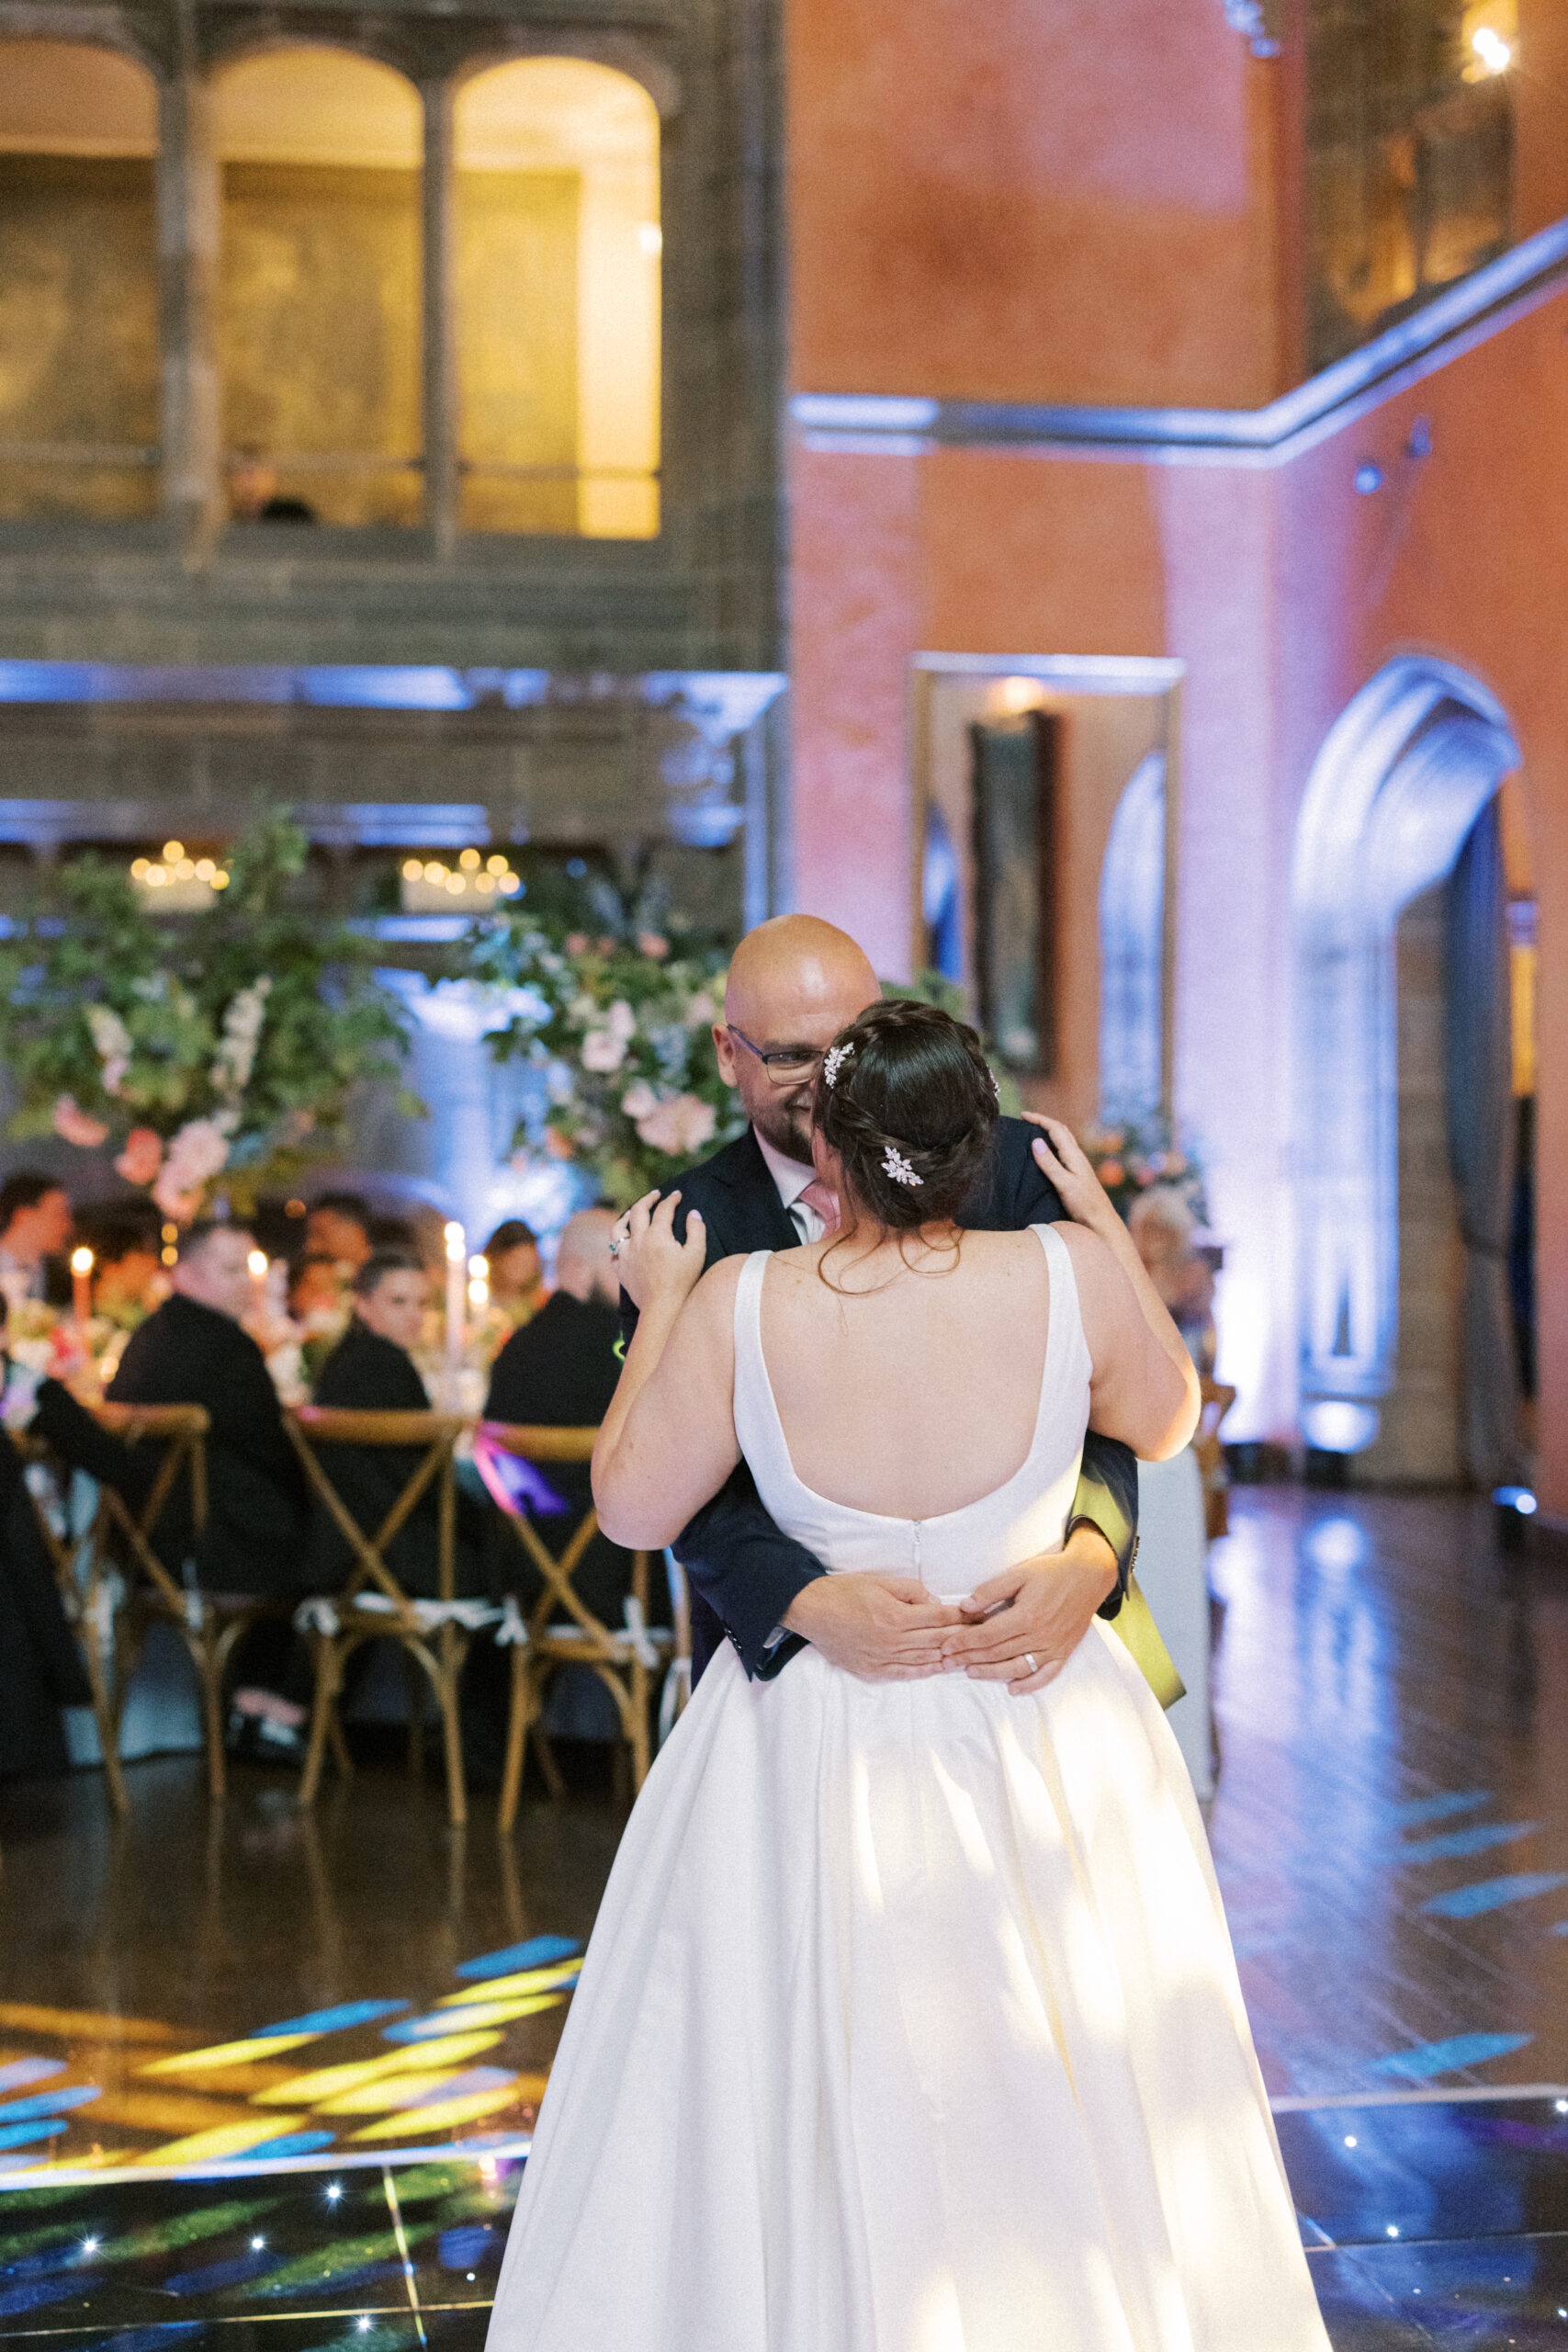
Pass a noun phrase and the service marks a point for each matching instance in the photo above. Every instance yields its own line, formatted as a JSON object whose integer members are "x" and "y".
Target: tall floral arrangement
{"x": 214, "y": 1051}
{"x": 1134, "y": 1155}
{"x": 618, "y": 1022}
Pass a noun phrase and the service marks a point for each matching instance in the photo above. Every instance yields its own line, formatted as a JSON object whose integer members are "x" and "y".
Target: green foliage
{"x": 251, "y": 1017}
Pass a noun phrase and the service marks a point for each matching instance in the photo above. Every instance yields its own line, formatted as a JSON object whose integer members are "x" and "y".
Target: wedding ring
{"x": 1031, "y": 1661}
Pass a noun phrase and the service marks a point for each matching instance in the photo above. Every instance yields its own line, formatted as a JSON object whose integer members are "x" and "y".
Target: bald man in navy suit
{"x": 794, "y": 983}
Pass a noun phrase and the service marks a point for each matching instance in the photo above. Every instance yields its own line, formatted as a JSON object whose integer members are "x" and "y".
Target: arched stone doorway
{"x": 1393, "y": 796}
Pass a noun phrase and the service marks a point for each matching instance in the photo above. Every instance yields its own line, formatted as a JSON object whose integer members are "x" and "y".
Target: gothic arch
{"x": 1401, "y": 778}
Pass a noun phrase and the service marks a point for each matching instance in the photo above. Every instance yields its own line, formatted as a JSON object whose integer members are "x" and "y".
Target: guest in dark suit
{"x": 371, "y": 1371}
{"x": 794, "y": 983}
{"x": 193, "y": 1352}
{"x": 560, "y": 1372}
{"x": 36, "y": 1224}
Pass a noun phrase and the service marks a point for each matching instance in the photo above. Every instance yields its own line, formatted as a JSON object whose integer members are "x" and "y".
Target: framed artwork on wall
{"x": 1014, "y": 865}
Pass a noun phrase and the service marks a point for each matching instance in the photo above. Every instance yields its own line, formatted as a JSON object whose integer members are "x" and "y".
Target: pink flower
{"x": 143, "y": 1157}
{"x": 653, "y": 945}
{"x": 77, "y": 1127}
{"x": 194, "y": 1156}
{"x": 577, "y": 943}
{"x": 680, "y": 1127}
{"x": 602, "y": 1051}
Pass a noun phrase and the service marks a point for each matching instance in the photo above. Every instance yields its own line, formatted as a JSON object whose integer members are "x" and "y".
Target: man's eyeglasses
{"x": 785, "y": 1065}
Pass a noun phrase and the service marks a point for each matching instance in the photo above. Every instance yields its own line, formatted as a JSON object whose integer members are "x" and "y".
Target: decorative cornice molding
{"x": 1468, "y": 314}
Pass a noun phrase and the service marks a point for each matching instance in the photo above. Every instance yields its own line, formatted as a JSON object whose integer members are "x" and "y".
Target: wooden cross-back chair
{"x": 92, "y": 1624}
{"x": 560, "y": 1629}
{"x": 372, "y": 1604}
{"x": 127, "y": 1541}
{"x": 1211, "y": 1452}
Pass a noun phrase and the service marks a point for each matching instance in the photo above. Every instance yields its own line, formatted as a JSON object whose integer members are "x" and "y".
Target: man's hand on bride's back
{"x": 655, "y": 1269}
{"x": 887, "y": 1629}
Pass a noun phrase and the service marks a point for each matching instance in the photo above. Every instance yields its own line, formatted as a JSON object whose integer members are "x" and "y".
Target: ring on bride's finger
{"x": 1031, "y": 1661}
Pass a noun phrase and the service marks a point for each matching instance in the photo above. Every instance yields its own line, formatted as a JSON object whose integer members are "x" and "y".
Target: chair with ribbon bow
{"x": 132, "y": 1583}
{"x": 373, "y": 1605}
{"x": 560, "y": 1629}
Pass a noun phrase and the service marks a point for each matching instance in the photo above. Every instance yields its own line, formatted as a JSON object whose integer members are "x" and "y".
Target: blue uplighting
{"x": 291, "y": 2144}
{"x": 1492, "y": 1893}
{"x": 22, "y": 2110}
{"x": 1455, "y": 1842}
{"x": 540, "y": 1952}
{"x": 16, "y": 2135}
{"x": 1449, "y": 2057}
{"x": 347, "y": 2013}
{"x": 29, "y": 2070}
{"x": 1422, "y": 1809}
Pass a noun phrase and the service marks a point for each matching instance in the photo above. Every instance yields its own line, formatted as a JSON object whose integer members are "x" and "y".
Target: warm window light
{"x": 650, "y": 237}
{"x": 430, "y": 885}
{"x": 1492, "y": 51}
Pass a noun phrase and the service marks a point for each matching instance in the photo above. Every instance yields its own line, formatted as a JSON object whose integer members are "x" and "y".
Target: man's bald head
{"x": 797, "y": 962}
{"x": 794, "y": 981}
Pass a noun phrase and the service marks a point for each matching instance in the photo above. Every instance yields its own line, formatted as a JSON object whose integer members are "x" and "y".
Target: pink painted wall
{"x": 1037, "y": 203}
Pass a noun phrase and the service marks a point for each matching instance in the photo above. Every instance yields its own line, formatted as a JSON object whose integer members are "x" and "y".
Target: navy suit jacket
{"x": 744, "y": 1571}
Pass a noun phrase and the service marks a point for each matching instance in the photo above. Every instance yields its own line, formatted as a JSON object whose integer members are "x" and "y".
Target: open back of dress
{"x": 910, "y": 2022}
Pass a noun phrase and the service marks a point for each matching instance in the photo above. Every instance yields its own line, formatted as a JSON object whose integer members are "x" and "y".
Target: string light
{"x": 1492, "y": 53}
{"x": 198, "y": 876}
{"x": 428, "y": 881}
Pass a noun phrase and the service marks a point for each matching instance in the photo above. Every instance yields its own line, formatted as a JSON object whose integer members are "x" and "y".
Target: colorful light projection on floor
{"x": 151, "y": 2103}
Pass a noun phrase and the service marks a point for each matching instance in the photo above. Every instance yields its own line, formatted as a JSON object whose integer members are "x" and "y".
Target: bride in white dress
{"x": 910, "y": 2021}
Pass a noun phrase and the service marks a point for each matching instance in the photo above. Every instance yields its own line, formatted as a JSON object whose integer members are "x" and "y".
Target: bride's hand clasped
{"x": 655, "y": 1269}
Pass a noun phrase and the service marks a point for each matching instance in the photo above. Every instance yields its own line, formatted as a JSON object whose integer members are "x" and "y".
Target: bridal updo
{"x": 906, "y": 1092}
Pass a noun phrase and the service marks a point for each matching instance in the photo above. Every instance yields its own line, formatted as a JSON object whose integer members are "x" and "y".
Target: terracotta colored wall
{"x": 1023, "y": 200}
{"x": 1283, "y": 592}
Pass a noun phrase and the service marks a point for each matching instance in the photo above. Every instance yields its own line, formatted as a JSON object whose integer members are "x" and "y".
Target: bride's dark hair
{"x": 907, "y": 1087}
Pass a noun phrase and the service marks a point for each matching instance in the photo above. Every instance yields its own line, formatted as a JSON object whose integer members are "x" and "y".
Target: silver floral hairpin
{"x": 894, "y": 1165}
{"x": 833, "y": 1061}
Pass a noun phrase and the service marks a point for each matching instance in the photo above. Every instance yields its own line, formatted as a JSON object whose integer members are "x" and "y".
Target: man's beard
{"x": 786, "y": 1124}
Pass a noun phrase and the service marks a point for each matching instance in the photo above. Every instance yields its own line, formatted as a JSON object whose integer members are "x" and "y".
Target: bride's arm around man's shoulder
{"x": 668, "y": 1443}
{"x": 1144, "y": 1388}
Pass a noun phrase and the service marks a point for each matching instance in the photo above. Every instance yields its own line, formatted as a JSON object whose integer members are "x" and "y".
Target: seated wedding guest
{"x": 36, "y": 1226}
{"x": 315, "y": 1286}
{"x": 1162, "y": 1226}
{"x": 40, "y": 1666}
{"x": 338, "y": 1226}
{"x": 561, "y": 1372}
{"x": 516, "y": 1276}
{"x": 127, "y": 1273}
{"x": 194, "y": 1351}
{"x": 371, "y": 1369}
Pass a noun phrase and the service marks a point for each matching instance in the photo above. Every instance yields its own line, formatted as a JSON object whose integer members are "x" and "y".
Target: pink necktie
{"x": 826, "y": 1204}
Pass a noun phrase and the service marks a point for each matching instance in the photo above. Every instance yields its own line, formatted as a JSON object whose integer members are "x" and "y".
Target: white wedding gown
{"x": 910, "y": 2022}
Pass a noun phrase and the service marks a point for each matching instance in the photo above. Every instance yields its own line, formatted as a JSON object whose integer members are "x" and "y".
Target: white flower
{"x": 679, "y": 1127}
{"x": 602, "y": 1050}
{"x": 110, "y": 1035}
{"x": 196, "y": 1155}
{"x": 236, "y": 1054}
{"x": 639, "y": 1100}
{"x": 702, "y": 1012}
{"x": 621, "y": 1021}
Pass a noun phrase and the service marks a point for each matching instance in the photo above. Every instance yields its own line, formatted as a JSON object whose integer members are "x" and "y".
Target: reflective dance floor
{"x": 260, "y": 2069}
